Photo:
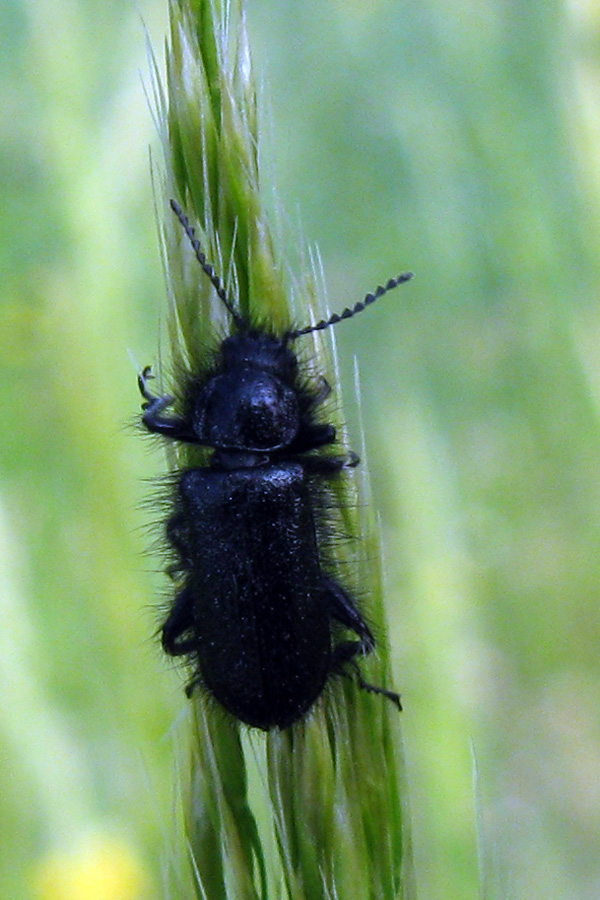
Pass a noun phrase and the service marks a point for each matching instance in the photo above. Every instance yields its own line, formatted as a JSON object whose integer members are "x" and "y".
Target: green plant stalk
{"x": 330, "y": 808}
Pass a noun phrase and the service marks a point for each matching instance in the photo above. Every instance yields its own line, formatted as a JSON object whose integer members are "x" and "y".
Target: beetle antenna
{"x": 357, "y": 308}
{"x": 206, "y": 266}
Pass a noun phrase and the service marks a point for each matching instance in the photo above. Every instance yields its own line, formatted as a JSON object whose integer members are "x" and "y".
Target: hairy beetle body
{"x": 255, "y": 601}
{"x": 258, "y": 614}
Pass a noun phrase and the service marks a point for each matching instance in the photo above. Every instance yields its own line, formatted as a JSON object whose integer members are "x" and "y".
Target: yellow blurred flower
{"x": 98, "y": 868}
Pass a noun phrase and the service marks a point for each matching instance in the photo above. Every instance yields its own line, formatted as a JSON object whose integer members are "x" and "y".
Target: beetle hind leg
{"x": 374, "y": 688}
{"x": 344, "y": 655}
{"x": 343, "y": 610}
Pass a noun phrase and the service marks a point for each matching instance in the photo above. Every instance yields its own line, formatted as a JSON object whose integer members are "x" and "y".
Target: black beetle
{"x": 257, "y": 615}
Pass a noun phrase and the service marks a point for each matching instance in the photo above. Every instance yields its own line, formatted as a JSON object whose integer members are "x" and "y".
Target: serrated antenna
{"x": 206, "y": 266}
{"x": 357, "y": 308}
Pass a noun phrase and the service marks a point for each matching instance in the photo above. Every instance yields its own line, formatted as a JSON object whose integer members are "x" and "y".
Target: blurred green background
{"x": 459, "y": 140}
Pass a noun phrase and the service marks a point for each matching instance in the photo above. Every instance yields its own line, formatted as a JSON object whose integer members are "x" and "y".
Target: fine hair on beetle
{"x": 259, "y": 615}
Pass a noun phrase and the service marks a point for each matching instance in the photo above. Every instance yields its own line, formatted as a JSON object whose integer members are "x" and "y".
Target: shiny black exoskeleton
{"x": 257, "y": 613}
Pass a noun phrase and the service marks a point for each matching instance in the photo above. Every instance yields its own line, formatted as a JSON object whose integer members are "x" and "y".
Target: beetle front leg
{"x": 174, "y": 427}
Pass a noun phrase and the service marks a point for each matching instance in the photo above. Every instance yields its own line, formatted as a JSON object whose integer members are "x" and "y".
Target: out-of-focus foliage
{"x": 460, "y": 140}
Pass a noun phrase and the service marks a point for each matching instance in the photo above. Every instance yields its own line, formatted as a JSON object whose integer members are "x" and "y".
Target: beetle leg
{"x": 171, "y": 427}
{"x": 330, "y": 465}
{"x": 311, "y": 436}
{"x": 342, "y": 609}
{"x": 323, "y": 392}
{"x": 344, "y": 654}
{"x": 192, "y": 685}
{"x": 179, "y": 622}
{"x": 143, "y": 378}
{"x": 374, "y": 688}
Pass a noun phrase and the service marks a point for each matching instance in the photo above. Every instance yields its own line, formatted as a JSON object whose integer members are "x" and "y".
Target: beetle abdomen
{"x": 261, "y": 631}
